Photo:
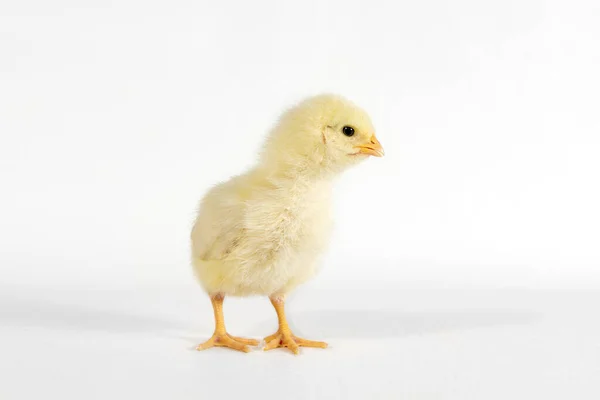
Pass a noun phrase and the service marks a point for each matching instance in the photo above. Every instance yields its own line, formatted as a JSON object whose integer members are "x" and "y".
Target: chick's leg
{"x": 221, "y": 338}
{"x": 284, "y": 336}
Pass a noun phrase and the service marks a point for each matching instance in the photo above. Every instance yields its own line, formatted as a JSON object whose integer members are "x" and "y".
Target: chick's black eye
{"x": 348, "y": 130}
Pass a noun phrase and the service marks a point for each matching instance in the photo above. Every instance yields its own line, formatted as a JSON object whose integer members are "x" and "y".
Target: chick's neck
{"x": 298, "y": 172}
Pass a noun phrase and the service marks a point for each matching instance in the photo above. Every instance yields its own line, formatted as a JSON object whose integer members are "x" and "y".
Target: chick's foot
{"x": 226, "y": 340}
{"x": 292, "y": 342}
{"x": 284, "y": 336}
{"x": 221, "y": 338}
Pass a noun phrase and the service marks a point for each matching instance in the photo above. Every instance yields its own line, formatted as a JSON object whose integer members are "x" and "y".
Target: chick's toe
{"x": 225, "y": 340}
{"x": 290, "y": 341}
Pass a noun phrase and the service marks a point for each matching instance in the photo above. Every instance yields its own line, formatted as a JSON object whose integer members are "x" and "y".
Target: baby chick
{"x": 260, "y": 233}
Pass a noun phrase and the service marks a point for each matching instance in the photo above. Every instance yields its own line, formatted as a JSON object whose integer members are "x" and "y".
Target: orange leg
{"x": 221, "y": 338}
{"x": 284, "y": 336}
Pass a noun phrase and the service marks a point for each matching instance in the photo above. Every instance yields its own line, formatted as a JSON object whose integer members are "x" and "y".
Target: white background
{"x": 465, "y": 264}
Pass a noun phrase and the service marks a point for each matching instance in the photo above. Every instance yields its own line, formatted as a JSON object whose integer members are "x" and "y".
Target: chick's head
{"x": 325, "y": 131}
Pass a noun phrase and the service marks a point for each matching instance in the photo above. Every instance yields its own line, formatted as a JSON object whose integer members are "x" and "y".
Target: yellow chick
{"x": 260, "y": 233}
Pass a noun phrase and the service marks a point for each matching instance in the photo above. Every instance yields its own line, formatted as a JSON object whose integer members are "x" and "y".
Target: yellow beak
{"x": 374, "y": 148}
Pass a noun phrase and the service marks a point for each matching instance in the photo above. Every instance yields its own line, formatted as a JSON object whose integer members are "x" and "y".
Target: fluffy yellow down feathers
{"x": 261, "y": 233}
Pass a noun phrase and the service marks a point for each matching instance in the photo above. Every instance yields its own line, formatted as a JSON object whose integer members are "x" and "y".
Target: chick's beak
{"x": 373, "y": 148}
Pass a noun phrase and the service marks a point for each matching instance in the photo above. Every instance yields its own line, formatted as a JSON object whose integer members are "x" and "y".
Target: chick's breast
{"x": 253, "y": 237}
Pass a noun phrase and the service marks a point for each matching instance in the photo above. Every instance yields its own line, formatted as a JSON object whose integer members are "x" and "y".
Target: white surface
{"x": 400, "y": 343}
{"x": 115, "y": 117}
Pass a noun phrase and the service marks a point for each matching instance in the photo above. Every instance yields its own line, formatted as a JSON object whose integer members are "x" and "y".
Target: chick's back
{"x": 254, "y": 236}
